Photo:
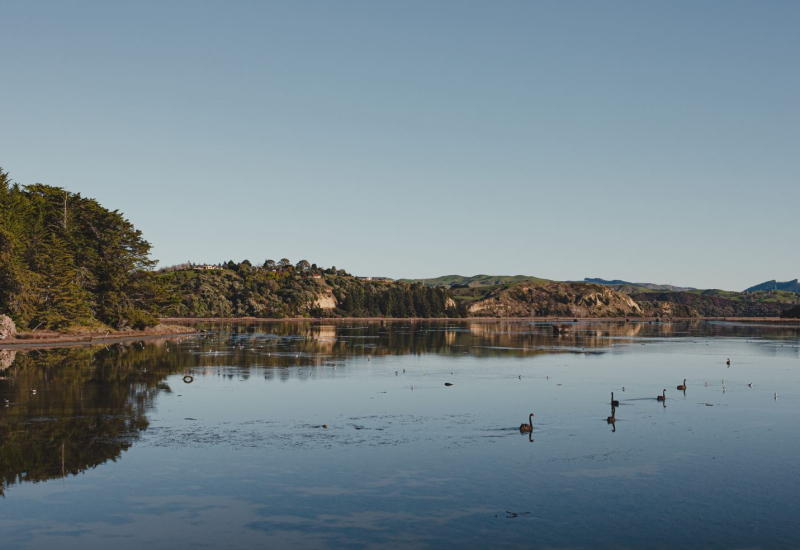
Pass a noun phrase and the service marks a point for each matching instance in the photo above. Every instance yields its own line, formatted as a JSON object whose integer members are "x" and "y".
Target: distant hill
{"x": 651, "y": 286}
{"x": 788, "y": 286}
{"x": 476, "y": 280}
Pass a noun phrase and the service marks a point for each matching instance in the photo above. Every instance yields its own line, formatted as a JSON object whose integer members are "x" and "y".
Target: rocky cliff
{"x": 555, "y": 299}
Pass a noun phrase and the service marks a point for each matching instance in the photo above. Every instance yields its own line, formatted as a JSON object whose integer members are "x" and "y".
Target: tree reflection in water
{"x": 89, "y": 407}
{"x": 91, "y": 404}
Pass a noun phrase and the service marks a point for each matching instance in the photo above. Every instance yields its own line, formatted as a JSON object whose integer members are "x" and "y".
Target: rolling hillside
{"x": 788, "y": 286}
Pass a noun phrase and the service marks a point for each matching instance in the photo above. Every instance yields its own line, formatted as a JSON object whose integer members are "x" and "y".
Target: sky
{"x": 646, "y": 141}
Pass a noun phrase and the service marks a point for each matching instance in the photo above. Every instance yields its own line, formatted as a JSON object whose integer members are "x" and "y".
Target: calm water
{"x": 114, "y": 450}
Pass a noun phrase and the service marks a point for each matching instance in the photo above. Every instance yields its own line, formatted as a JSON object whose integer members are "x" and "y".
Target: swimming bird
{"x": 662, "y": 397}
{"x": 448, "y": 383}
{"x": 527, "y": 428}
{"x": 728, "y": 362}
{"x": 750, "y": 384}
{"x": 706, "y": 384}
{"x": 683, "y": 386}
{"x": 724, "y": 389}
{"x": 520, "y": 377}
{"x": 776, "y": 396}
{"x": 614, "y": 403}
{"x": 623, "y": 388}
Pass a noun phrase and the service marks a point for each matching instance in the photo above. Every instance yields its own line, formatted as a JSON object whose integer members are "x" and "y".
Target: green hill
{"x": 788, "y": 286}
{"x": 476, "y": 280}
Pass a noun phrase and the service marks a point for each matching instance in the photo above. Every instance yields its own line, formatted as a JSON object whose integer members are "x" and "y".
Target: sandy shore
{"x": 28, "y": 340}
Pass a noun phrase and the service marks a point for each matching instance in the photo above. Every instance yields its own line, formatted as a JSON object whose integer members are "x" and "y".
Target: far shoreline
{"x": 171, "y": 320}
{"x": 71, "y": 340}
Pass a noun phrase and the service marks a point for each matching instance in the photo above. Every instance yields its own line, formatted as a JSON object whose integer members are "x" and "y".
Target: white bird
{"x": 724, "y": 389}
{"x": 776, "y": 396}
{"x": 750, "y": 384}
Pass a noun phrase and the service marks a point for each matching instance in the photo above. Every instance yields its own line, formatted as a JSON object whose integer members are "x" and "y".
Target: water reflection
{"x": 68, "y": 410}
{"x": 266, "y": 389}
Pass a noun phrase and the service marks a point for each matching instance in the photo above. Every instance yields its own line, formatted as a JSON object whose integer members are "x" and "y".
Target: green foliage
{"x": 66, "y": 260}
{"x": 282, "y": 290}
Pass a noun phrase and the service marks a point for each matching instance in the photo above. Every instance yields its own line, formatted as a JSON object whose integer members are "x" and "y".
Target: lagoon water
{"x": 115, "y": 450}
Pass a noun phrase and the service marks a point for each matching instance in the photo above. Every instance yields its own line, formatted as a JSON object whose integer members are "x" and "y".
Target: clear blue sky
{"x": 649, "y": 141}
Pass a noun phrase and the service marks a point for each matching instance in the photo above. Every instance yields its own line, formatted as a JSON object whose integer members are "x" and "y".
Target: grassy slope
{"x": 476, "y": 280}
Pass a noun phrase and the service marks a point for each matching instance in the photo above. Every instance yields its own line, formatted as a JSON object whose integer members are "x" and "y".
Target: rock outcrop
{"x": 326, "y": 300}
{"x": 556, "y": 299}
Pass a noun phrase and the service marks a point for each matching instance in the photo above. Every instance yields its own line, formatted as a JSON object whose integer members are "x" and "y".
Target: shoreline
{"x": 96, "y": 339}
{"x": 780, "y": 320}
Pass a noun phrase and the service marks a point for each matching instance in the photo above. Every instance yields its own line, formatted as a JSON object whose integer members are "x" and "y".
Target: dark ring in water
{"x": 188, "y": 379}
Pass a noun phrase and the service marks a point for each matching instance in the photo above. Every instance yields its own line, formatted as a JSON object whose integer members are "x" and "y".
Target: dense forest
{"x": 280, "y": 289}
{"x": 65, "y": 260}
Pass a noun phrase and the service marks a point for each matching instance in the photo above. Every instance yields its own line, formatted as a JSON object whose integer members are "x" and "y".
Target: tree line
{"x": 279, "y": 290}
{"x": 66, "y": 261}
